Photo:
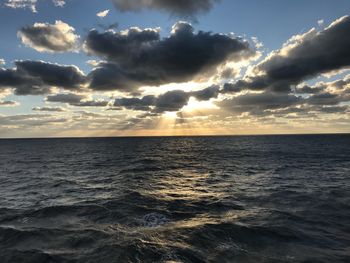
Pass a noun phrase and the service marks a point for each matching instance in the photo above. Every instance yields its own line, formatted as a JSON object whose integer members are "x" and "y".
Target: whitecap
{"x": 154, "y": 220}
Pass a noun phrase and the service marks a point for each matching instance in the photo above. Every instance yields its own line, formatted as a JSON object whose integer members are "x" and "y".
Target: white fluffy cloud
{"x": 103, "y": 14}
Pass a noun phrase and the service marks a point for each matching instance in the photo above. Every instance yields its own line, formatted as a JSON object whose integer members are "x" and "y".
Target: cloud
{"x": 22, "y": 84}
{"x": 259, "y": 102}
{"x": 109, "y": 76}
{"x": 334, "y": 109}
{"x": 306, "y": 89}
{"x": 2, "y": 61}
{"x": 89, "y": 114}
{"x": 327, "y": 98}
{"x": 68, "y": 77}
{"x": 320, "y": 22}
{"x": 206, "y": 94}
{"x": 302, "y": 57}
{"x": 37, "y": 77}
{"x": 138, "y": 57}
{"x": 169, "y": 101}
{"x": 31, "y": 4}
{"x": 49, "y": 109}
{"x": 45, "y": 37}
{"x": 59, "y": 3}
{"x": 323, "y": 97}
{"x": 70, "y": 98}
{"x": 77, "y": 100}
{"x": 30, "y": 120}
{"x": 337, "y": 87}
{"x": 8, "y": 103}
{"x": 91, "y": 103}
{"x": 93, "y": 62}
{"x": 187, "y": 8}
{"x": 172, "y": 101}
{"x": 232, "y": 87}
{"x": 142, "y": 104}
{"x": 102, "y": 14}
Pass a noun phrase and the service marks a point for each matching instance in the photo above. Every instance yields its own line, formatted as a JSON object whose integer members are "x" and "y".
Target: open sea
{"x": 176, "y": 199}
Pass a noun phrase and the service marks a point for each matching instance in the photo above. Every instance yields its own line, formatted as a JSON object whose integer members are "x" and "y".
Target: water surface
{"x": 177, "y": 199}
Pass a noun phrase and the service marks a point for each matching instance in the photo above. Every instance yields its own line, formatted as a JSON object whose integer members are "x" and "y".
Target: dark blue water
{"x": 204, "y": 199}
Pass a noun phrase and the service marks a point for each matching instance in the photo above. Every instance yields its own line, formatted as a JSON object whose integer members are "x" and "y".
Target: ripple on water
{"x": 223, "y": 199}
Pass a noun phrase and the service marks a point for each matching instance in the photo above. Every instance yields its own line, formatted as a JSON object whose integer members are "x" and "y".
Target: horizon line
{"x": 172, "y": 136}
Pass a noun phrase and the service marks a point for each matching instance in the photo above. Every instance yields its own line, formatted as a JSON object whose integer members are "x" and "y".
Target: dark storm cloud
{"x": 187, "y": 8}
{"x": 45, "y": 37}
{"x": 37, "y": 77}
{"x": 169, "y": 101}
{"x": 303, "y": 57}
{"x": 77, "y": 100}
{"x": 140, "y": 57}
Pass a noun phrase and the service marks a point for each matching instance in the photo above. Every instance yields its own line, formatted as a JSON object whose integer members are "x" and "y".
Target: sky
{"x": 78, "y": 68}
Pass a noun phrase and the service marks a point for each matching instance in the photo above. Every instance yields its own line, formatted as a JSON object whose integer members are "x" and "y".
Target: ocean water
{"x": 180, "y": 199}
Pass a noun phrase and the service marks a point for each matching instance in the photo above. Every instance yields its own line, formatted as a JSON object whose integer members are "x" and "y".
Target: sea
{"x": 175, "y": 199}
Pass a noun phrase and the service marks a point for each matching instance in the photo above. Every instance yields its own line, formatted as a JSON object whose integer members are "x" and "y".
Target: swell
{"x": 225, "y": 199}
{"x": 177, "y": 241}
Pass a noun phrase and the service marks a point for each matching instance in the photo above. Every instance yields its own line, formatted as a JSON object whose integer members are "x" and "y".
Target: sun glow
{"x": 195, "y": 105}
{"x": 185, "y": 121}
{"x": 170, "y": 115}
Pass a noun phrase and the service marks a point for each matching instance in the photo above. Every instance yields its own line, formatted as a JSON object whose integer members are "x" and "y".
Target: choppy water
{"x": 205, "y": 199}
